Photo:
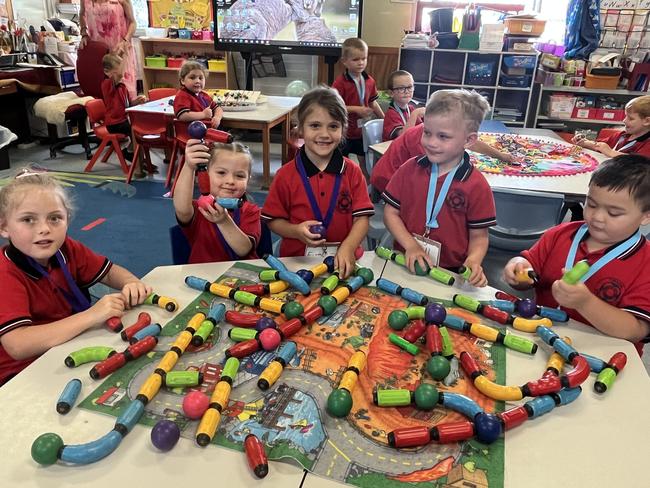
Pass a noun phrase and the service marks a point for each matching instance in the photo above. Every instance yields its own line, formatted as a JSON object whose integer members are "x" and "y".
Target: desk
{"x": 595, "y": 441}
{"x": 573, "y": 187}
{"x": 275, "y": 111}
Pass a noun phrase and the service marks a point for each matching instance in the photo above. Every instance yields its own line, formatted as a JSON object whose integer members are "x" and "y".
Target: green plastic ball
{"x": 426, "y": 396}
{"x": 339, "y": 403}
{"x": 45, "y": 448}
{"x": 328, "y": 303}
{"x": 292, "y": 310}
{"x": 419, "y": 271}
{"x": 366, "y": 274}
{"x": 398, "y": 319}
{"x": 438, "y": 367}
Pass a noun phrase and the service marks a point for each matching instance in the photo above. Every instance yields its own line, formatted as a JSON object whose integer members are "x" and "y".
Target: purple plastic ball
{"x": 269, "y": 339}
{"x": 487, "y": 427}
{"x": 306, "y": 275}
{"x": 526, "y": 307}
{"x": 197, "y": 129}
{"x": 165, "y": 435}
{"x": 318, "y": 229}
{"x": 434, "y": 313}
{"x": 329, "y": 262}
{"x": 265, "y": 323}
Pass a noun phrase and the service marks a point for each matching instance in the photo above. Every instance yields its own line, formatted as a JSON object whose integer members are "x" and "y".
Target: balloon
{"x": 297, "y": 88}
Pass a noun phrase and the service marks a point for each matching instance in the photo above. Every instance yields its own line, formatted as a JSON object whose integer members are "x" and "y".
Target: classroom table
{"x": 598, "y": 440}
{"x": 573, "y": 187}
{"x": 271, "y": 112}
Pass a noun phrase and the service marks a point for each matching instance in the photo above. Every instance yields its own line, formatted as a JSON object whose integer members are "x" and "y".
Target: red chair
{"x": 607, "y": 132}
{"x": 150, "y": 131}
{"x": 158, "y": 93}
{"x": 96, "y": 112}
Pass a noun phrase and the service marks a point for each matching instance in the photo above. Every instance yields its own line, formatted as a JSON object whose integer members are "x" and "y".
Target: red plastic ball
{"x": 269, "y": 339}
{"x": 358, "y": 253}
{"x": 195, "y": 403}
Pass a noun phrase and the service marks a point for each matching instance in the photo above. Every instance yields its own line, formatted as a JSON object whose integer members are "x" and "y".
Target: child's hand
{"x": 571, "y": 296}
{"x": 207, "y": 113}
{"x": 602, "y": 147}
{"x": 506, "y": 158}
{"x": 111, "y": 305}
{"x": 477, "y": 278}
{"x": 215, "y": 213}
{"x": 216, "y": 118}
{"x": 139, "y": 99}
{"x": 364, "y": 112}
{"x": 344, "y": 261}
{"x": 582, "y": 141}
{"x": 418, "y": 113}
{"x": 513, "y": 268}
{"x": 196, "y": 153}
{"x": 304, "y": 235}
{"x": 417, "y": 254}
{"x": 134, "y": 293}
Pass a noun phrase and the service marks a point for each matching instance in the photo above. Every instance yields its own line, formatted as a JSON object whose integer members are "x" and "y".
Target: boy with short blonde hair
{"x": 359, "y": 92}
{"x": 438, "y": 205}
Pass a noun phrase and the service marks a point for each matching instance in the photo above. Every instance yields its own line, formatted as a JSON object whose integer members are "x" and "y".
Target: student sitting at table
{"x": 191, "y": 102}
{"x": 116, "y": 99}
{"x": 45, "y": 275}
{"x": 402, "y": 112}
{"x": 634, "y": 138}
{"x": 320, "y": 187}
{"x": 614, "y": 295}
{"x": 214, "y": 233}
{"x": 438, "y": 205}
{"x": 407, "y": 145}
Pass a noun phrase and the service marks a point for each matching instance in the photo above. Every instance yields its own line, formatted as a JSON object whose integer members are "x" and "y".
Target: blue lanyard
{"x": 236, "y": 218}
{"x": 434, "y": 210}
{"x": 604, "y": 260}
{"x": 361, "y": 89}
{"x": 312, "y": 198}
{"x": 202, "y": 101}
{"x": 78, "y": 302}
{"x": 626, "y": 146}
{"x": 401, "y": 114}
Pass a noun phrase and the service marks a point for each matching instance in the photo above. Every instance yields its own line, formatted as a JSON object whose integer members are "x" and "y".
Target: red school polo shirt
{"x": 620, "y": 139}
{"x": 187, "y": 101}
{"x": 407, "y": 145}
{"x": 619, "y": 282}
{"x": 29, "y": 299}
{"x": 347, "y": 88}
{"x": 288, "y": 199}
{"x": 116, "y": 100}
{"x": 206, "y": 245}
{"x": 469, "y": 205}
{"x": 393, "y": 121}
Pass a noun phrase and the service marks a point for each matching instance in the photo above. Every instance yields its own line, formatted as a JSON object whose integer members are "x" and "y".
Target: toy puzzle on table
{"x": 535, "y": 156}
{"x": 290, "y": 416}
{"x": 233, "y": 100}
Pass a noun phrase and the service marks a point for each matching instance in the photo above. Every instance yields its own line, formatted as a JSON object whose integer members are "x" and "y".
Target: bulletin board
{"x": 193, "y": 14}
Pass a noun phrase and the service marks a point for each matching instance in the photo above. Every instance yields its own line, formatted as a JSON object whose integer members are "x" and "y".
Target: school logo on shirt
{"x": 344, "y": 203}
{"x": 456, "y": 199}
{"x": 610, "y": 290}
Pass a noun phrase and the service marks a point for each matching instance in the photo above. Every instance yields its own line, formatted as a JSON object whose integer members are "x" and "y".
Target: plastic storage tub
{"x": 530, "y": 27}
{"x": 604, "y": 82}
{"x": 174, "y": 62}
{"x": 516, "y": 61}
{"x": 217, "y": 65}
{"x": 156, "y": 61}
{"x": 515, "y": 81}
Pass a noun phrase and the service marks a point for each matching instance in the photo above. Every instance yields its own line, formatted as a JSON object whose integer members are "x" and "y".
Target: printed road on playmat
{"x": 535, "y": 156}
{"x": 290, "y": 417}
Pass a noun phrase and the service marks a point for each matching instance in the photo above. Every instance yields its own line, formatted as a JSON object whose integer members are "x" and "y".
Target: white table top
{"x": 272, "y": 108}
{"x": 599, "y": 440}
{"x": 573, "y": 185}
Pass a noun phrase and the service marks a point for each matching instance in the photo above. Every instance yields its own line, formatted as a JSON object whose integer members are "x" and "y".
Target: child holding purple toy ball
{"x": 319, "y": 202}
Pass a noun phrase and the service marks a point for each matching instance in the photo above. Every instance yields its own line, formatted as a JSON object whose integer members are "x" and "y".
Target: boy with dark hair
{"x": 438, "y": 205}
{"x": 614, "y": 296}
{"x": 359, "y": 92}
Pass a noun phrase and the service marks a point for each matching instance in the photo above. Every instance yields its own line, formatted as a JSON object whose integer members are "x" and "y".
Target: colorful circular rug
{"x": 535, "y": 156}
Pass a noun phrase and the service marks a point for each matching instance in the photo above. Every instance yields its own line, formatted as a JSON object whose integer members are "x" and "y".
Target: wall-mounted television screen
{"x": 316, "y": 27}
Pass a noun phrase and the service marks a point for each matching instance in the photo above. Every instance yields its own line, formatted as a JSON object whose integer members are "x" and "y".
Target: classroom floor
{"x": 73, "y": 160}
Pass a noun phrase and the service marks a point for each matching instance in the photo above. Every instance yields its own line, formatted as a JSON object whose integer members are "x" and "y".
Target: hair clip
{"x": 26, "y": 172}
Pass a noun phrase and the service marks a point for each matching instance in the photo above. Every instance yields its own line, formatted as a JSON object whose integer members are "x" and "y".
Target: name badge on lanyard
{"x": 401, "y": 113}
{"x": 615, "y": 253}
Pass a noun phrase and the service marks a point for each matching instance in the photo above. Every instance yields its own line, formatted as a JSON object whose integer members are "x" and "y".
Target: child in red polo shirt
{"x": 191, "y": 102}
{"x": 320, "y": 187}
{"x": 214, "y": 233}
{"x": 116, "y": 99}
{"x": 614, "y": 296}
{"x": 359, "y": 92}
{"x": 635, "y": 138}
{"x": 438, "y": 205}
{"x": 45, "y": 275}
{"x": 402, "y": 112}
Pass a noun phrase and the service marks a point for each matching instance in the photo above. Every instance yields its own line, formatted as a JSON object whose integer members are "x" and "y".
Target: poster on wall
{"x": 192, "y": 14}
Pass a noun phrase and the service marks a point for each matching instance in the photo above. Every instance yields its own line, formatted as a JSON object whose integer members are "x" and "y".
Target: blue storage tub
{"x": 515, "y": 81}
{"x": 518, "y": 61}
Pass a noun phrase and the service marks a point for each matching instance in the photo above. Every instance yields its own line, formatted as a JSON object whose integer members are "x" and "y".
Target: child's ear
{"x": 3, "y": 229}
{"x": 471, "y": 138}
{"x": 646, "y": 218}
